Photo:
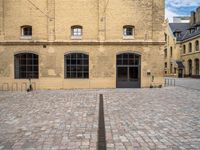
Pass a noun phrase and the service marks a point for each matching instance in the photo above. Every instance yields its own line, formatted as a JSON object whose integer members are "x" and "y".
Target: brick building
{"x": 81, "y": 44}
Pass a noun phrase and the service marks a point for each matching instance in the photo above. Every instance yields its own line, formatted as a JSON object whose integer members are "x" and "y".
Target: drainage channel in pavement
{"x": 101, "y": 129}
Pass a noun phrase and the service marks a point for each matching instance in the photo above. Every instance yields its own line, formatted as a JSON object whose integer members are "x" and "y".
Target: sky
{"x": 180, "y": 7}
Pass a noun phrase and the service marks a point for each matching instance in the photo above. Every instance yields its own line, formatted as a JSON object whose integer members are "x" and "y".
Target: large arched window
{"x": 190, "y": 67}
{"x": 76, "y": 65}
{"x": 197, "y": 45}
{"x": 190, "y": 47}
{"x": 26, "y": 66}
{"x": 197, "y": 66}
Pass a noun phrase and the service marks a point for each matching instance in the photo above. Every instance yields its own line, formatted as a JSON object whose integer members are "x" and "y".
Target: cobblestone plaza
{"x": 135, "y": 119}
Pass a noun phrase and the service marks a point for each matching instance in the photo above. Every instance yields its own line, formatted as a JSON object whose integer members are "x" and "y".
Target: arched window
{"x": 171, "y": 51}
{"x": 128, "y": 70}
{"x": 190, "y": 47}
{"x": 26, "y": 31}
{"x": 165, "y": 53}
{"x": 26, "y": 66}
{"x": 76, "y": 31}
{"x": 197, "y": 45}
{"x": 190, "y": 67}
{"x": 76, "y": 65}
{"x": 128, "y": 30}
{"x": 197, "y": 66}
{"x": 165, "y": 64}
{"x": 184, "y": 49}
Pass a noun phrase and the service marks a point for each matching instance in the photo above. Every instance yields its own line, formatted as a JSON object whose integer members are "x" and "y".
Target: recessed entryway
{"x": 128, "y": 70}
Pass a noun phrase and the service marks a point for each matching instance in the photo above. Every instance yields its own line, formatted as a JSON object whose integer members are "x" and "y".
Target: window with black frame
{"x": 76, "y": 30}
{"x": 26, "y": 66}
{"x": 76, "y": 66}
{"x": 26, "y": 31}
{"x": 128, "y": 30}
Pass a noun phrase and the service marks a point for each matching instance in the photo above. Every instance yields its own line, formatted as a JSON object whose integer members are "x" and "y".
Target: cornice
{"x": 89, "y": 42}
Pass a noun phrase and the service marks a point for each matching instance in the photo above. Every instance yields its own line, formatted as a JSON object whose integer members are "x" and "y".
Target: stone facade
{"x": 102, "y": 39}
{"x": 183, "y": 40}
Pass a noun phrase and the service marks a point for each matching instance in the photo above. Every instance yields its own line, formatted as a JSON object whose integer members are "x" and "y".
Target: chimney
{"x": 193, "y": 18}
{"x": 198, "y": 15}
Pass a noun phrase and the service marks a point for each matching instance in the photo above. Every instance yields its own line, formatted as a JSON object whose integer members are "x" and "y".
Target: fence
{"x": 170, "y": 82}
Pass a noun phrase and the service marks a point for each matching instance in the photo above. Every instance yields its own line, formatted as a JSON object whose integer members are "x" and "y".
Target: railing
{"x": 23, "y": 86}
{"x": 170, "y": 82}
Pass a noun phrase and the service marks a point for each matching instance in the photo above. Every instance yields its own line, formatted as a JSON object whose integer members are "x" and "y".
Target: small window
{"x": 165, "y": 64}
{"x": 128, "y": 30}
{"x": 76, "y": 31}
{"x": 26, "y": 31}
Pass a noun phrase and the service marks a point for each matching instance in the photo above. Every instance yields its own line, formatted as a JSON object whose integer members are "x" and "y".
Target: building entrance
{"x": 128, "y": 70}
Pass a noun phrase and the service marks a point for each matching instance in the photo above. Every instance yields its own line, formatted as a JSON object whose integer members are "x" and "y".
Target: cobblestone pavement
{"x": 48, "y": 120}
{"x": 135, "y": 119}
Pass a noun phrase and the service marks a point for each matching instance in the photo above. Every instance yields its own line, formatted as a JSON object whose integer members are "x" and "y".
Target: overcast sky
{"x": 180, "y": 7}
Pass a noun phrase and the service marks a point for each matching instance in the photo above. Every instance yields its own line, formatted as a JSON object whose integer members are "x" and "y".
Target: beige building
{"x": 68, "y": 44}
{"x": 182, "y": 49}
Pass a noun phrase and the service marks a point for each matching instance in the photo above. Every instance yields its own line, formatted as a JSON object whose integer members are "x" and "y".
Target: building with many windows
{"x": 81, "y": 44}
{"x": 182, "y": 49}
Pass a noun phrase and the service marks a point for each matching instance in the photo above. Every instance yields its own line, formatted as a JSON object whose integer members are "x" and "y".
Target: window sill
{"x": 26, "y": 37}
{"x": 76, "y": 37}
{"x": 76, "y": 78}
{"x": 128, "y": 38}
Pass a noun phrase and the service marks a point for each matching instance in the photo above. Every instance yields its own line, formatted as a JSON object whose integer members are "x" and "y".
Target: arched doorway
{"x": 197, "y": 67}
{"x": 128, "y": 70}
{"x": 189, "y": 67}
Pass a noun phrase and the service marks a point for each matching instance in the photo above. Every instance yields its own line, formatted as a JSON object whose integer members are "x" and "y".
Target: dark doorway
{"x": 180, "y": 73}
{"x": 190, "y": 68}
{"x": 128, "y": 70}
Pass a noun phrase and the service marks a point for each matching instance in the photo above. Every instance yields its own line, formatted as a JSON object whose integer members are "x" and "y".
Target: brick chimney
{"x": 193, "y": 18}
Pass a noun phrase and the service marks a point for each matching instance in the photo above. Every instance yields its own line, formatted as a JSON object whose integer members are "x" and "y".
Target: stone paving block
{"x": 135, "y": 119}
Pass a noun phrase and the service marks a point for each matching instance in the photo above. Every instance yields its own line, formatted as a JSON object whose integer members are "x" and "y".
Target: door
{"x": 180, "y": 73}
{"x": 128, "y": 70}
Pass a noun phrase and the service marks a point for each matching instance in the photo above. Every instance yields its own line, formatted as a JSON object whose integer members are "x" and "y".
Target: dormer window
{"x": 26, "y": 32}
{"x": 128, "y": 32}
{"x": 192, "y": 30}
{"x": 177, "y": 34}
{"x": 198, "y": 28}
{"x": 76, "y": 32}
